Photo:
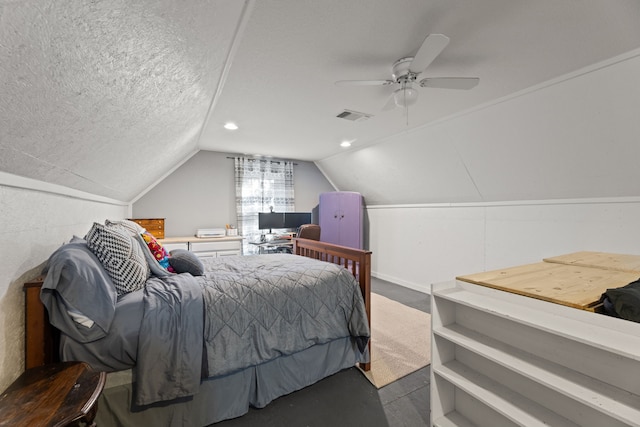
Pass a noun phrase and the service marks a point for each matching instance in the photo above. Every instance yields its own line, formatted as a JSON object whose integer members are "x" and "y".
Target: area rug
{"x": 400, "y": 340}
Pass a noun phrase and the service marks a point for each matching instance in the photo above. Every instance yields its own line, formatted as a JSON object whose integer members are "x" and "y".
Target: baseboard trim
{"x": 420, "y": 287}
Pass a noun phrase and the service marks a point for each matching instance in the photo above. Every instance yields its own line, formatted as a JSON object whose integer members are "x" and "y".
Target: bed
{"x": 189, "y": 349}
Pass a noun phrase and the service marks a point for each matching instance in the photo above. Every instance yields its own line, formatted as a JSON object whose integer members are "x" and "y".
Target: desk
{"x": 576, "y": 280}
{"x": 273, "y": 246}
{"x": 58, "y": 394}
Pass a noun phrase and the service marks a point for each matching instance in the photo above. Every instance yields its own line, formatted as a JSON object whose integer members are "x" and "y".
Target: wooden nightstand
{"x": 59, "y": 394}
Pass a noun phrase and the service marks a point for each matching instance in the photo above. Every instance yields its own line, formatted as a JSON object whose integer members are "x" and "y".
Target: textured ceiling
{"x": 108, "y": 96}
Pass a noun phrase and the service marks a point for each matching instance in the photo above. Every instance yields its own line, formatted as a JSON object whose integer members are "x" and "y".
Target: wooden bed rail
{"x": 357, "y": 261}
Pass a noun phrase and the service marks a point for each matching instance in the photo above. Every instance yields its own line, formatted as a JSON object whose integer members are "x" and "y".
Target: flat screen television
{"x": 269, "y": 220}
{"x": 296, "y": 219}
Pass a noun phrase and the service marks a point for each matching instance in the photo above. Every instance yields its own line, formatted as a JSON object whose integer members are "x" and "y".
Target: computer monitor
{"x": 270, "y": 220}
{"x": 296, "y": 219}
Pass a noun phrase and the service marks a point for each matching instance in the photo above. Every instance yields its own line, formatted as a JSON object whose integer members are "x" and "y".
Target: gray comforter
{"x": 256, "y": 308}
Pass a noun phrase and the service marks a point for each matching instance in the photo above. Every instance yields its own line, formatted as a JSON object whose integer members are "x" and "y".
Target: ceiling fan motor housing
{"x": 400, "y": 71}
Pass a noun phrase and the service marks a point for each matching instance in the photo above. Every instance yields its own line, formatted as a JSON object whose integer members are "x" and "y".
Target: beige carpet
{"x": 400, "y": 340}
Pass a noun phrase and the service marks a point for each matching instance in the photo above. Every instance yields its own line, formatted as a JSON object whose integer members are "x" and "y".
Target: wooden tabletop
{"x": 575, "y": 280}
{"x": 607, "y": 261}
{"x": 52, "y": 395}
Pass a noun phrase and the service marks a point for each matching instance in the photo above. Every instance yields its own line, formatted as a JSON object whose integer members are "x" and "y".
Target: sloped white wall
{"x": 34, "y": 224}
{"x": 574, "y": 137}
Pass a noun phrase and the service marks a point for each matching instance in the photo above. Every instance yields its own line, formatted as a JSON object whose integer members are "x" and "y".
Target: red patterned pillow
{"x": 159, "y": 253}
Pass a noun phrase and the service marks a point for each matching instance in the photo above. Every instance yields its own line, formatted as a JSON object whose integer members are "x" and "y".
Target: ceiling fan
{"x": 406, "y": 71}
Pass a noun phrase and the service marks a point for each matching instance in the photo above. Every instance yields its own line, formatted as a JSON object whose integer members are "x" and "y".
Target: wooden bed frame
{"x": 42, "y": 339}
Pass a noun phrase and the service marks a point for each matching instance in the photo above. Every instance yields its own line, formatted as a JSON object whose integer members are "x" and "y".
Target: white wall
{"x": 418, "y": 245}
{"x": 34, "y": 224}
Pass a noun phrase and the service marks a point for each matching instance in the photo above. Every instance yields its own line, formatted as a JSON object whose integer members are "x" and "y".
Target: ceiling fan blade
{"x": 431, "y": 47}
{"x": 463, "y": 83}
{"x": 363, "y": 82}
{"x": 390, "y": 104}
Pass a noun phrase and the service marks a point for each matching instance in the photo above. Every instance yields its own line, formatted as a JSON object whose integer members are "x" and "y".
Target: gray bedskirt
{"x": 229, "y": 396}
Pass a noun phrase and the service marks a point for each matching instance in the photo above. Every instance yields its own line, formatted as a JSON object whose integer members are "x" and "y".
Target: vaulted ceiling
{"x": 109, "y": 96}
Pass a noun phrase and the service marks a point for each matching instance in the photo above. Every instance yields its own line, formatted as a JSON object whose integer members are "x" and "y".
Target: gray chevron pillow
{"x": 120, "y": 255}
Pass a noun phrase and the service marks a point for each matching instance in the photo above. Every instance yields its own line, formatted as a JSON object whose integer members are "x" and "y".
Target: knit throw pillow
{"x": 120, "y": 255}
{"x": 133, "y": 227}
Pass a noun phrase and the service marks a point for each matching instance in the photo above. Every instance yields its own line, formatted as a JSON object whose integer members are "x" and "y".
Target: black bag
{"x": 625, "y": 301}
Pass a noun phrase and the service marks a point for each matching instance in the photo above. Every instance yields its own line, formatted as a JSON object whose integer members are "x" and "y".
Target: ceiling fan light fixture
{"x": 405, "y": 97}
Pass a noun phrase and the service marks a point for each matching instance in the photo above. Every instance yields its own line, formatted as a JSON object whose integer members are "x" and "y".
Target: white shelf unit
{"x": 501, "y": 359}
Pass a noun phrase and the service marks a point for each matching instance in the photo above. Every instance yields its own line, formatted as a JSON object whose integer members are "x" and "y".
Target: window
{"x": 261, "y": 186}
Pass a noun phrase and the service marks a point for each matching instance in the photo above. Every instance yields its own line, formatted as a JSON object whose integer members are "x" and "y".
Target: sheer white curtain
{"x": 261, "y": 186}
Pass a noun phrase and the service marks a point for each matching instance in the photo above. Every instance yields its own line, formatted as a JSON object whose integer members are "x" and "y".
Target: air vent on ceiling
{"x": 354, "y": 116}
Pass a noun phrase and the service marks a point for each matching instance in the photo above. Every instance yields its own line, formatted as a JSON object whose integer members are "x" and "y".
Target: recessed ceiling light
{"x": 230, "y": 126}
{"x": 345, "y": 144}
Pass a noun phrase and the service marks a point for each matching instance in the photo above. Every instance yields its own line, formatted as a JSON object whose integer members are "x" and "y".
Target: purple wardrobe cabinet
{"x": 341, "y": 218}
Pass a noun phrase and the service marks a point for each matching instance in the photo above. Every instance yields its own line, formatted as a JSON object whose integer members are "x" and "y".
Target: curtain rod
{"x": 261, "y": 160}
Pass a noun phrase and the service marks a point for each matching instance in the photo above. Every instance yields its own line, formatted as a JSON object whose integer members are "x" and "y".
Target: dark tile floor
{"x": 348, "y": 398}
